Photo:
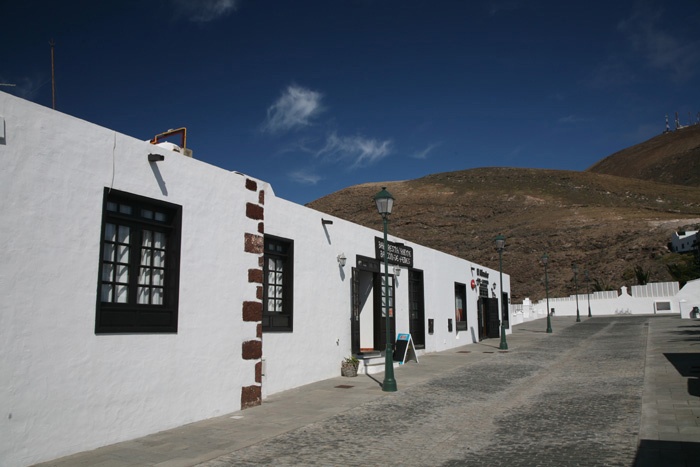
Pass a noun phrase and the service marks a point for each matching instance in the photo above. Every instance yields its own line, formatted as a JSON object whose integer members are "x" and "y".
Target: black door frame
{"x": 416, "y": 307}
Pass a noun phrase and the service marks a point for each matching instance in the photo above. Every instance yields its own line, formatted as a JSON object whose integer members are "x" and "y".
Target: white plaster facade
{"x": 65, "y": 389}
{"x": 689, "y": 300}
{"x": 683, "y": 242}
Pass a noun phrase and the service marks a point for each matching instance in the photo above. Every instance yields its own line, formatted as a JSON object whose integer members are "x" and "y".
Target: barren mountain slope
{"x": 672, "y": 157}
{"x": 603, "y": 223}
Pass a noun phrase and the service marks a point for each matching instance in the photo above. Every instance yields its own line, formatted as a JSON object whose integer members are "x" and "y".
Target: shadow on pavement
{"x": 688, "y": 365}
{"x": 654, "y": 453}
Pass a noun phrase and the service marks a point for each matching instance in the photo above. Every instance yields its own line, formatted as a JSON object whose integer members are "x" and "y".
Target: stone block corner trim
{"x": 254, "y": 243}
{"x": 252, "y": 350}
{"x": 251, "y": 396}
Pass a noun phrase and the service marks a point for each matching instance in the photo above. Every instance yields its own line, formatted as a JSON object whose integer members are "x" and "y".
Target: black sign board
{"x": 404, "y": 349}
{"x": 399, "y": 254}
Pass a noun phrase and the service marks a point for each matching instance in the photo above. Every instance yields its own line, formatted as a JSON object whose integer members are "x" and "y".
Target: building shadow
{"x": 688, "y": 365}
{"x": 655, "y": 453}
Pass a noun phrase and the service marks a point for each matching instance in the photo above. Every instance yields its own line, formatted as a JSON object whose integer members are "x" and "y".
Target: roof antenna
{"x": 53, "y": 80}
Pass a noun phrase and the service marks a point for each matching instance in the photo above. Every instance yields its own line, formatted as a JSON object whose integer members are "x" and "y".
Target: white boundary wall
{"x": 654, "y": 298}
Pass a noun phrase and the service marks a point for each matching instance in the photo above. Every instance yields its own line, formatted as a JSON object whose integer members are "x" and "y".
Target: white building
{"x": 684, "y": 241}
{"x": 141, "y": 294}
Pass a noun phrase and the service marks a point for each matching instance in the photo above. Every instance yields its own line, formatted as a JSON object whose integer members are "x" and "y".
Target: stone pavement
{"x": 607, "y": 391}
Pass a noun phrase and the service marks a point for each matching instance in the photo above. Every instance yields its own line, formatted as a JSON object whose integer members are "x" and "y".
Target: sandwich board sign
{"x": 405, "y": 350}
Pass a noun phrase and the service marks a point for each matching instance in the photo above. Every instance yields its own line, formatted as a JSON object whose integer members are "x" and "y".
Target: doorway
{"x": 416, "y": 308}
{"x": 489, "y": 320}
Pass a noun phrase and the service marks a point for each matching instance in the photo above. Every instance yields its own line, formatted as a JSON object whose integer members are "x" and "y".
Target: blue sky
{"x": 315, "y": 96}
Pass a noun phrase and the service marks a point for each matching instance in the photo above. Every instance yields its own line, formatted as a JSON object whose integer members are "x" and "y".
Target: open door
{"x": 416, "y": 305}
{"x": 355, "y": 315}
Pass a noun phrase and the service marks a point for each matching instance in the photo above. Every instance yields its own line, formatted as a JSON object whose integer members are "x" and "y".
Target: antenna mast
{"x": 53, "y": 80}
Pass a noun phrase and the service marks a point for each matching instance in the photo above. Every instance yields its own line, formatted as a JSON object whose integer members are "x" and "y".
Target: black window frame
{"x": 274, "y": 321}
{"x": 132, "y": 317}
{"x": 461, "y": 292}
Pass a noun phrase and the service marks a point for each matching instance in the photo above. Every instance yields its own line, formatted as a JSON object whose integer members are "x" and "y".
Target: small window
{"x": 139, "y": 265}
{"x": 461, "y": 306}
{"x": 663, "y": 306}
{"x": 277, "y": 286}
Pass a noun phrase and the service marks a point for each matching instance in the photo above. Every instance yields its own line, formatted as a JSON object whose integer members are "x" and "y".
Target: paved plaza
{"x": 621, "y": 390}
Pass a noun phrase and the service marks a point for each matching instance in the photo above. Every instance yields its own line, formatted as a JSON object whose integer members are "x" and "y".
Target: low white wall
{"x": 650, "y": 299}
{"x": 63, "y": 388}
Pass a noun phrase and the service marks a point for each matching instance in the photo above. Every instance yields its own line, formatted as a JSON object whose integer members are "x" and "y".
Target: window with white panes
{"x": 139, "y": 267}
{"x": 277, "y": 286}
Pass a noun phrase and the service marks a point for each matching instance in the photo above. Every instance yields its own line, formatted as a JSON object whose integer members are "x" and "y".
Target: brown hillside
{"x": 672, "y": 157}
{"x": 603, "y": 223}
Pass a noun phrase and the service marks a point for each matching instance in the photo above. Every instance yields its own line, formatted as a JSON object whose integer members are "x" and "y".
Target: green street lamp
{"x": 545, "y": 259}
{"x": 500, "y": 244}
{"x": 578, "y": 316}
{"x": 588, "y": 292}
{"x": 385, "y": 202}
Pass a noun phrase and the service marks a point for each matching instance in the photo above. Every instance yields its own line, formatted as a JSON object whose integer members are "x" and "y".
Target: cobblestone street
{"x": 612, "y": 390}
{"x": 568, "y": 398}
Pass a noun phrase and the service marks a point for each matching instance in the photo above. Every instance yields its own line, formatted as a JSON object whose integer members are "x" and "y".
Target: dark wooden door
{"x": 416, "y": 305}
{"x": 355, "y": 315}
{"x": 493, "y": 326}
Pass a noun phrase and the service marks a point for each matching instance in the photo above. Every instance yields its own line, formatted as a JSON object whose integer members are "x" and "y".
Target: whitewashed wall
{"x": 64, "y": 389}
{"x": 645, "y": 300}
{"x": 322, "y": 295}
{"x": 689, "y": 297}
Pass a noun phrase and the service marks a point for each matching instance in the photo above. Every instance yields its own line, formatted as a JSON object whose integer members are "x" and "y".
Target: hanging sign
{"x": 404, "y": 349}
{"x": 399, "y": 254}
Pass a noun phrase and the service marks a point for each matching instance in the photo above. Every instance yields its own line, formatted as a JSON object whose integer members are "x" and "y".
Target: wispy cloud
{"x": 295, "y": 108}
{"x": 496, "y": 7}
{"x": 360, "y": 151}
{"x": 574, "y": 119}
{"x": 305, "y": 177}
{"x": 659, "y": 48}
{"x": 203, "y": 11}
{"x": 424, "y": 153}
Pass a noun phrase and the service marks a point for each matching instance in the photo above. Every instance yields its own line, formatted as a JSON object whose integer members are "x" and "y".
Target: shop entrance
{"x": 369, "y": 307}
{"x": 489, "y": 324}
{"x": 416, "y": 308}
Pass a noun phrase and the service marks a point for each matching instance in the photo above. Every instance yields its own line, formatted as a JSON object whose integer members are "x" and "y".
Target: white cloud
{"x": 359, "y": 150}
{"x": 424, "y": 153}
{"x": 574, "y": 119}
{"x": 304, "y": 177}
{"x": 203, "y": 11}
{"x": 294, "y": 109}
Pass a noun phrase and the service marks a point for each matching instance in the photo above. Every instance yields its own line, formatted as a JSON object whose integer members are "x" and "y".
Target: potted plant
{"x": 349, "y": 366}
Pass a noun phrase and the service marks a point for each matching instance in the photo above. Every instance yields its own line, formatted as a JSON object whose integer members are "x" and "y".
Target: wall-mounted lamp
{"x": 341, "y": 260}
{"x": 397, "y": 271}
{"x": 155, "y": 157}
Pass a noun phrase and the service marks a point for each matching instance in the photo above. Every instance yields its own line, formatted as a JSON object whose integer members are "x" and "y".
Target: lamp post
{"x": 578, "y": 316}
{"x": 588, "y": 292}
{"x": 500, "y": 244}
{"x": 545, "y": 259}
{"x": 385, "y": 202}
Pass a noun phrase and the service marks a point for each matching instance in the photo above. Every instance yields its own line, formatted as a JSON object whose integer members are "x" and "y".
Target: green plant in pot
{"x": 349, "y": 366}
